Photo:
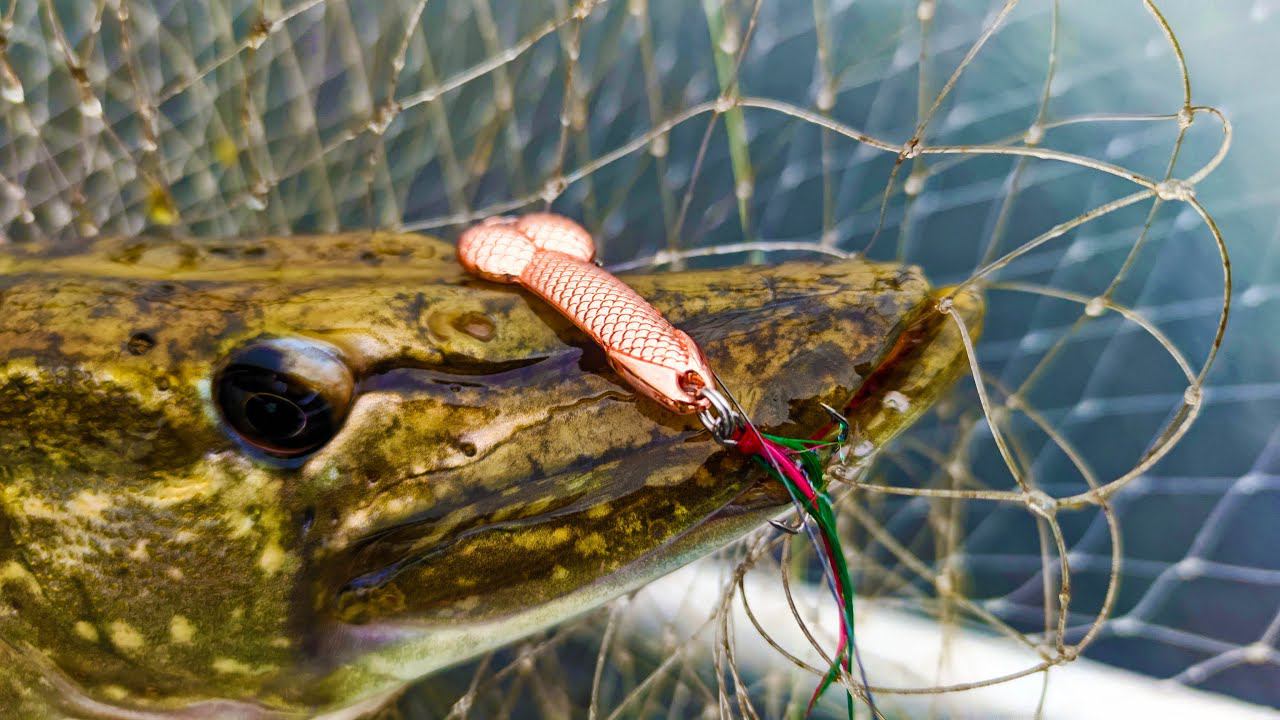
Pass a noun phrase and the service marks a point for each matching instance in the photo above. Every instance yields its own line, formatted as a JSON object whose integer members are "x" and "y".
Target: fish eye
{"x": 286, "y": 397}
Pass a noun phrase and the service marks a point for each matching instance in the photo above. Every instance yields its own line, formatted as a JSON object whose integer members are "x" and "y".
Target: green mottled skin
{"x": 149, "y": 564}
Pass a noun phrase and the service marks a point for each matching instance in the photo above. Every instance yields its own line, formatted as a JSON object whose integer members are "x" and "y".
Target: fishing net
{"x": 1058, "y": 156}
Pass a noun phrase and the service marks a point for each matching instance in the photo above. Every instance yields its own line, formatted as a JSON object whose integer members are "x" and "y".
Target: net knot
{"x": 1173, "y": 189}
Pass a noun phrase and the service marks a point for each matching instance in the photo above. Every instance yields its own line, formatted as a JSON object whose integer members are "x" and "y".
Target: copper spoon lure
{"x": 551, "y": 256}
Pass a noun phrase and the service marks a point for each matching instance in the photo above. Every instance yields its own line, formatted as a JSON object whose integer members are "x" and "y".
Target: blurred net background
{"x": 1060, "y": 155}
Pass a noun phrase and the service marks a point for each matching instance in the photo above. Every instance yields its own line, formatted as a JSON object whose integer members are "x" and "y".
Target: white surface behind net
{"x": 1058, "y": 156}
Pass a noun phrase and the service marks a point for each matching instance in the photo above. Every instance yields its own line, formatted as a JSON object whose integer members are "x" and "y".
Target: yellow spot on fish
{"x": 124, "y": 636}
{"x": 272, "y": 559}
{"x": 89, "y": 505}
{"x": 181, "y": 630}
{"x": 629, "y": 524}
{"x": 593, "y": 544}
{"x": 559, "y": 572}
{"x": 114, "y": 692}
{"x": 677, "y": 475}
{"x": 86, "y": 631}
{"x": 182, "y": 491}
{"x": 174, "y": 572}
{"x": 14, "y": 574}
{"x": 139, "y": 551}
{"x": 231, "y": 666}
{"x": 542, "y": 538}
{"x": 37, "y": 508}
{"x": 241, "y": 525}
{"x": 598, "y": 511}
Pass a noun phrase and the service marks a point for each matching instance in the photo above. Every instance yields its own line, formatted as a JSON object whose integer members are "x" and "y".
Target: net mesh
{"x": 1052, "y": 153}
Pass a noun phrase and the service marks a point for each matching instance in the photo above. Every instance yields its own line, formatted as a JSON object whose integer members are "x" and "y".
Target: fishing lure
{"x": 553, "y": 257}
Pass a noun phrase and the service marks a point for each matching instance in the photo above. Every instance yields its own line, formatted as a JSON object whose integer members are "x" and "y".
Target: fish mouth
{"x": 467, "y": 570}
{"x": 392, "y": 648}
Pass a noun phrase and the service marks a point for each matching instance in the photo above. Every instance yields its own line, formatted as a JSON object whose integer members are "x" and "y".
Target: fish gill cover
{"x": 1057, "y": 156}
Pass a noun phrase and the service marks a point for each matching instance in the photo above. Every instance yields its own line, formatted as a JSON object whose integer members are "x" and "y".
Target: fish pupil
{"x": 274, "y": 412}
{"x": 274, "y": 416}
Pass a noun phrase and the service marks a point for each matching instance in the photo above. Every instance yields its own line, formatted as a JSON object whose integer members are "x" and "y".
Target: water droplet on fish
{"x": 895, "y": 400}
{"x": 1095, "y": 307}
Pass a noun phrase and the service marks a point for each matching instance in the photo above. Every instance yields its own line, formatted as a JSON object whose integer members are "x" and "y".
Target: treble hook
{"x": 840, "y": 420}
{"x": 788, "y": 529}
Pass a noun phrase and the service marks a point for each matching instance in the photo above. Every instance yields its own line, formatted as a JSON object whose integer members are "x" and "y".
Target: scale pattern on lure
{"x": 552, "y": 256}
